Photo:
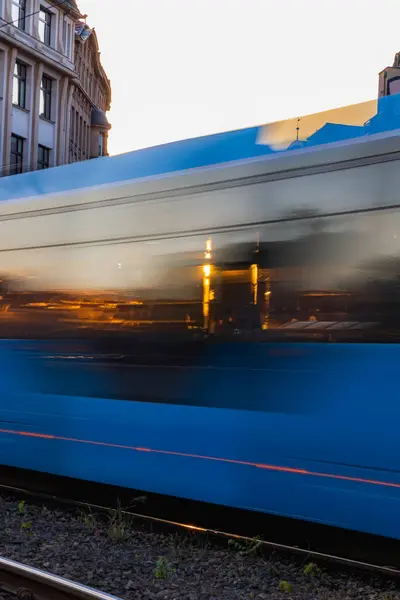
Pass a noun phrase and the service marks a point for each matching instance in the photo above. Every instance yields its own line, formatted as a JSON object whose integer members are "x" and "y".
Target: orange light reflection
{"x": 275, "y": 468}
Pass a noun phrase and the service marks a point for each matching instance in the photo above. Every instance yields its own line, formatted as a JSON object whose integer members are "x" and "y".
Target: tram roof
{"x": 243, "y": 145}
{"x": 151, "y": 162}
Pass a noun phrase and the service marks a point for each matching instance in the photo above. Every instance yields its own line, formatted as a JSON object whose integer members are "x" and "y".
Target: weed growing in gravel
{"x": 196, "y": 539}
{"x": 312, "y": 570}
{"x": 252, "y": 546}
{"x": 285, "y": 586}
{"x": 89, "y": 519}
{"x": 26, "y": 527}
{"x": 253, "y": 580}
{"x": 163, "y": 569}
{"x": 21, "y": 507}
{"x": 120, "y": 523}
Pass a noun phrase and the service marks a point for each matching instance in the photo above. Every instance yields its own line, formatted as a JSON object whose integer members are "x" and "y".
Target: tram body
{"x": 228, "y": 334}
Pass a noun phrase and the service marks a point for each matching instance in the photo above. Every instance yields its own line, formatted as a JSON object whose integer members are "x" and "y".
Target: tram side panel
{"x": 123, "y": 387}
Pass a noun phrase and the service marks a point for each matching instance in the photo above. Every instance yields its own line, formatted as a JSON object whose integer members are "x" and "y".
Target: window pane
{"x": 45, "y": 98}
{"x": 15, "y": 14}
{"x": 13, "y": 144}
{"x": 19, "y": 85}
{"x": 45, "y": 26}
{"x": 47, "y": 82}
{"x": 48, "y": 30}
{"x": 43, "y": 157}
{"x": 15, "y": 91}
{"x": 16, "y": 157}
{"x": 394, "y": 86}
{"x": 41, "y": 30}
{"x": 69, "y": 39}
{"x": 18, "y": 13}
{"x": 21, "y": 21}
{"x": 42, "y": 103}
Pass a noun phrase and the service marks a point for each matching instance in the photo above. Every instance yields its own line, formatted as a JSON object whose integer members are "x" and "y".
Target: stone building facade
{"x": 91, "y": 99}
{"x": 51, "y": 78}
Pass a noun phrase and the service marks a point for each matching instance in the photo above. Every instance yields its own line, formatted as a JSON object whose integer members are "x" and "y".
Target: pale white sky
{"x": 183, "y": 68}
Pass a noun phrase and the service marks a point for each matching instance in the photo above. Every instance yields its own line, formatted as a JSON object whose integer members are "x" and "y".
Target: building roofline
{"x": 69, "y": 6}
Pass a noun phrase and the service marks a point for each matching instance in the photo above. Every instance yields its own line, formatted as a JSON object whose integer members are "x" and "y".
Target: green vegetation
{"x": 27, "y": 527}
{"x": 120, "y": 523}
{"x": 118, "y": 520}
{"x": 285, "y": 586}
{"x": 163, "y": 569}
{"x": 311, "y": 569}
{"x": 246, "y": 547}
{"x": 89, "y": 519}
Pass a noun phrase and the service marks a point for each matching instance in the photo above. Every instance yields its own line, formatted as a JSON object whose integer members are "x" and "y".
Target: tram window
{"x": 154, "y": 285}
{"x": 335, "y": 277}
{"x": 340, "y": 273}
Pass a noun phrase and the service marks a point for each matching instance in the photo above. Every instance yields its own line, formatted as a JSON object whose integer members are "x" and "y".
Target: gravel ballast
{"x": 120, "y": 557}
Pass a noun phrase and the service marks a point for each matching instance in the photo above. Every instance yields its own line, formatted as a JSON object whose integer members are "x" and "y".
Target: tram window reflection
{"x": 250, "y": 282}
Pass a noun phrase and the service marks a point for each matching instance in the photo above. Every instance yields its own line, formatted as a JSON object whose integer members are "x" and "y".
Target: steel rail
{"x": 29, "y": 583}
{"x": 384, "y": 570}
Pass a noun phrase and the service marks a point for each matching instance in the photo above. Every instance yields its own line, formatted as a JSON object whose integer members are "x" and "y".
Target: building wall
{"x": 51, "y": 53}
{"x": 79, "y": 130}
{"x": 92, "y": 91}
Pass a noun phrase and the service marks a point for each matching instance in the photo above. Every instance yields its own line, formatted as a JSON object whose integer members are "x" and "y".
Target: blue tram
{"x": 214, "y": 320}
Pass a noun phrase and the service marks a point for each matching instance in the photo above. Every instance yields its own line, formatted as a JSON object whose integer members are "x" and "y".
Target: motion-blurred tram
{"x": 223, "y": 327}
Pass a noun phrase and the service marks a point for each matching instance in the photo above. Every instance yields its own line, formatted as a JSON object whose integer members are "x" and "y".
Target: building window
{"x": 101, "y": 144}
{"x": 80, "y": 141}
{"x": 19, "y": 85}
{"x": 67, "y": 38}
{"x": 43, "y": 161}
{"x": 72, "y": 125}
{"x": 45, "y": 97}
{"x": 45, "y": 18}
{"x": 18, "y": 13}
{"x": 17, "y": 154}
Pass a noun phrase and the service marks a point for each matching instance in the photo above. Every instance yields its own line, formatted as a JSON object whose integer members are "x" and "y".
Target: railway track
{"x": 385, "y": 571}
{"x": 29, "y": 583}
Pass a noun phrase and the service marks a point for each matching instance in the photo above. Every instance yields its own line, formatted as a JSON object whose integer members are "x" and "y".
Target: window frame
{"x": 101, "y": 144}
{"x": 17, "y": 167}
{"x": 20, "y": 80}
{"x": 20, "y": 21}
{"x": 47, "y": 22}
{"x": 67, "y": 38}
{"x": 46, "y": 92}
{"x": 43, "y": 160}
